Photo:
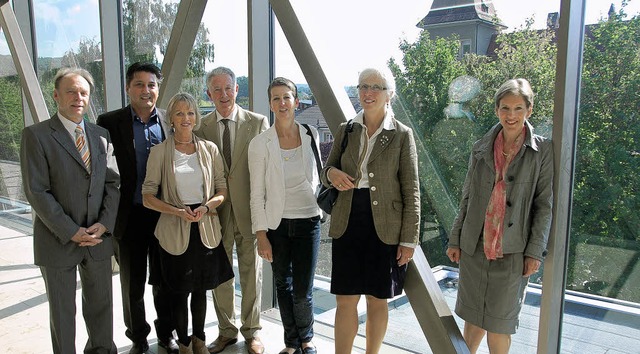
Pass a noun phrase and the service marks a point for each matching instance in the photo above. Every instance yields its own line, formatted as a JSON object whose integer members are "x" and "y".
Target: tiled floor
{"x": 24, "y": 315}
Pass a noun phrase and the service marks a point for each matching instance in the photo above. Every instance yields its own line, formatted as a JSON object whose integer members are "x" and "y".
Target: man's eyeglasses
{"x": 374, "y": 88}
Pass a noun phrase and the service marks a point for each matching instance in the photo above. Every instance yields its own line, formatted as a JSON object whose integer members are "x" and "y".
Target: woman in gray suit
{"x": 375, "y": 221}
{"x": 500, "y": 234}
{"x": 185, "y": 183}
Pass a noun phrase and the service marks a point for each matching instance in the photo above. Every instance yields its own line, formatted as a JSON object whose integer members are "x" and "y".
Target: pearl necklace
{"x": 183, "y": 142}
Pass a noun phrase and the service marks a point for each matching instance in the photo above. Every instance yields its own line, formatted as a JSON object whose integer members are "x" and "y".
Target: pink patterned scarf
{"x": 494, "y": 217}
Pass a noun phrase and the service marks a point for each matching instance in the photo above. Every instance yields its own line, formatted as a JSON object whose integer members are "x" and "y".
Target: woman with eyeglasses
{"x": 500, "y": 235}
{"x": 375, "y": 220}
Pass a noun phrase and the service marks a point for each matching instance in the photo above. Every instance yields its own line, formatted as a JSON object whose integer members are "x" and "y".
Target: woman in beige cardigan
{"x": 185, "y": 183}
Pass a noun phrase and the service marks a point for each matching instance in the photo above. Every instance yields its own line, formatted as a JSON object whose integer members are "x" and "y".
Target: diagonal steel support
{"x": 421, "y": 287}
{"x": 183, "y": 36}
{"x": 22, "y": 61}
{"x": 431, "y": 309}
{"x": 332, "y": 100}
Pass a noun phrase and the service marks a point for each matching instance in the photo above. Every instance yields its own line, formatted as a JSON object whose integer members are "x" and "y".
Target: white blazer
{"x": 267, "y": 176}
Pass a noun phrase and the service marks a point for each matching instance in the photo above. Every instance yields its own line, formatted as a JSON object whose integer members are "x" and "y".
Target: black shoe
{"x": 139, "y": 347}
{"x": 309, "y": 350}
{"x": 169, "y": 345}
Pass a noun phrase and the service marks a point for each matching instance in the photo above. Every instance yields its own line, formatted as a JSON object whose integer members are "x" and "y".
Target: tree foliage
{"x": 606, "y": 200}
{"x": 607, "y": 172}
{"x": 147, "y": 28}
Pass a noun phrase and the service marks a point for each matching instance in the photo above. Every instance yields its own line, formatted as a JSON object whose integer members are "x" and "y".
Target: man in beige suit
{"x": 231, "y": 128}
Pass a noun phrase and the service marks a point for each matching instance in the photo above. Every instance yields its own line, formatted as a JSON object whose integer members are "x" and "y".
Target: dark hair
{"x": 281, "y": 81}
{"x": 64, "y": 72}
{"x": 147, "y": 67}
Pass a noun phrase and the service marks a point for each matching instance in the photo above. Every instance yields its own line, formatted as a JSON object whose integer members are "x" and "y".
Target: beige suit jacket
{"x": 248, "y": 126}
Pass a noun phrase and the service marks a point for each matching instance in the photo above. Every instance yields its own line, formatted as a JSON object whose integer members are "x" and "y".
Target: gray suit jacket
{"x": 249, "y": 125}
{"x": 64, "y": 195}
{"x": 529, "y": 180}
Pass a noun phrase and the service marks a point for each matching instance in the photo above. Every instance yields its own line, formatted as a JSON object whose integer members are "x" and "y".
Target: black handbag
{"x": 327, "y": 196}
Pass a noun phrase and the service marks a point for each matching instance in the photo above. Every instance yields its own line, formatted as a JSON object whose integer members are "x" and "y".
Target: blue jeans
{"x": 295, "y": 246}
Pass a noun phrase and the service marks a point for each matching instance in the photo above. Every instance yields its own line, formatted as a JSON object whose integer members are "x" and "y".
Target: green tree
{"x": 147, "y": 28}
{"x": 607, "y": 180}
{"x": 11, "y": 118}
{"x": 525, "y": 53}
{"x": 429, "y": 67}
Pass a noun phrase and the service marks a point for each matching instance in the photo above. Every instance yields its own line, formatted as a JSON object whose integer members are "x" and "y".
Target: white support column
{"x": 112, "y": 53}
{"x": 24, "y": 64}
{"x": 261, "y": 54}
{"x": 565, "y": 128}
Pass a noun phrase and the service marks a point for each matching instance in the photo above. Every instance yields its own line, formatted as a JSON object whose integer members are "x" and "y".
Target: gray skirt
{"x": 491, "y": 293}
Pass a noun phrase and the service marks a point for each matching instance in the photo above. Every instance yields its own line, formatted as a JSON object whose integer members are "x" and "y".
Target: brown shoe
{"x": 220, "y": 343}
{"x": 254, "y": 346}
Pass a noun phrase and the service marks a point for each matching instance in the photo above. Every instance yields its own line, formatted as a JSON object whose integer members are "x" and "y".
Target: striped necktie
{"x": 83, "y": 149}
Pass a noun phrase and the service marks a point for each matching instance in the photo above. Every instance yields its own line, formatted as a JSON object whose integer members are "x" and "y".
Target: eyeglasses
{"x": 374, "y": 88}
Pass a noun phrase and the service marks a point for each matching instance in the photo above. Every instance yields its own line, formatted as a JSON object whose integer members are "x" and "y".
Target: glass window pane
{"x": 446, "y": 77}
{"x": 14, "y": 209}
{"x": 68, "y": 35}
{"x": 603, "y": 276}
{"x": 147, "y": 27}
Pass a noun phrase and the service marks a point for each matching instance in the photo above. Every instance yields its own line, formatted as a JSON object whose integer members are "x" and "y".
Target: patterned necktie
{"x": 226, "y": 143}
{"x": 83, "y": 149}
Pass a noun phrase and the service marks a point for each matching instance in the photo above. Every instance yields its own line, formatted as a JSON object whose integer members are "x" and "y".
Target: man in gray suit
{"x": 71, "y": 180}
{"x": 231, "y": 128}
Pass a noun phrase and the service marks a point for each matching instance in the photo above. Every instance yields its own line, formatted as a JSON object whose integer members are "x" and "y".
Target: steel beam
{"x": 431, "y": 309}
{"x": 565, "y": 132}
{"x": 24, "y": 65}
{"x": 261, "y": 61}
{"x": 333, "y": 100}
{"x": 183, "y": 36}
{"x": 112, "y": 53}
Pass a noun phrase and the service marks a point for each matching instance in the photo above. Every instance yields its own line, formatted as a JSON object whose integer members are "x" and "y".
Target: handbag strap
{"x": 314, "y": 147}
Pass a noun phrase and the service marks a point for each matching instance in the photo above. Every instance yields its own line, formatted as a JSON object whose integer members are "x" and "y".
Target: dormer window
{"x": 484, "y": 7}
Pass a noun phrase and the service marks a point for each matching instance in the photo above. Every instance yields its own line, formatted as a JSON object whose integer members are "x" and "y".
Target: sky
{"x": 347, "y": 35}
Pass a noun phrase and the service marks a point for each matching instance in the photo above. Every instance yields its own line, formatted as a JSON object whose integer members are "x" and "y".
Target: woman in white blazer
{"x": 284, "y": 214}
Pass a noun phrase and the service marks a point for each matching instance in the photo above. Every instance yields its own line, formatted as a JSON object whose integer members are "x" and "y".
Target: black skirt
{"x": 198, "y": 268}
{"x": 361, "y": 263}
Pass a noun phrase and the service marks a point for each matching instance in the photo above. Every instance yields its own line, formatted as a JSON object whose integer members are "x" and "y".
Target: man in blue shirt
{"x": 134, "y": 130}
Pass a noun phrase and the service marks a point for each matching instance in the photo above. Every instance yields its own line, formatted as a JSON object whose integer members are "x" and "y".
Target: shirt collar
{"x": 232, "y": 116}
{"x": 70, "y": 125}
{"x": 153, "y": 117}
{"x": 387, "y": 121}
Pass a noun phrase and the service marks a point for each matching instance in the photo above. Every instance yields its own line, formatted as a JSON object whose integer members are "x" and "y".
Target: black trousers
{"x": 133, "y": 249}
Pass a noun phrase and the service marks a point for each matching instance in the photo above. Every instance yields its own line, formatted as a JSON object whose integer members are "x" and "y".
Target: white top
{"x": 366, "y": 144}
{"x": 188, "y": 177}
{"x": 268, "y": 177}
{"x": 299, "y": 196}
